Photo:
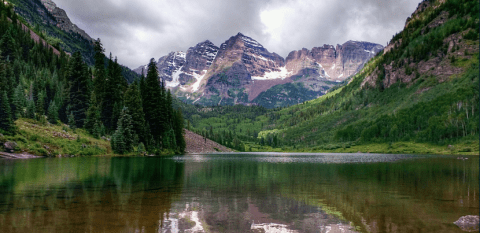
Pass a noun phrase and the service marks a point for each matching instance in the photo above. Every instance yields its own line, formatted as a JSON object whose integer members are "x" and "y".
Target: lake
{"x": 256, "y": 192}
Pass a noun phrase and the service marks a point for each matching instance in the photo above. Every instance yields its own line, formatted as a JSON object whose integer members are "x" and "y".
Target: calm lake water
{"x": 263, "y": 192}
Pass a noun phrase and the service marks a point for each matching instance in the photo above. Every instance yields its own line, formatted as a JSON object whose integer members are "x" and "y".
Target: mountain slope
{"x": 419, "y": 96}
{"x": 242, "y": 71}
{"x": 53, "y": 25}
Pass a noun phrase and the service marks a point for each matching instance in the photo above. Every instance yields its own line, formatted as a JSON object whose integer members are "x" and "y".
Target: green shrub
{"x": 20, "y": 138}
{"x": 34, "y": 137}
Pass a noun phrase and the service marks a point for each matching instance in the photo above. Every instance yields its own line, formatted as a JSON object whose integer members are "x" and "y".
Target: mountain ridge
{"x": 240, "y": 69}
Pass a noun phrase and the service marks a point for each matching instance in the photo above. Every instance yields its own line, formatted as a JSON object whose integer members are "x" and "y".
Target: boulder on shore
{"x": 10, "y": 146}
{"x": 468, "y": 223}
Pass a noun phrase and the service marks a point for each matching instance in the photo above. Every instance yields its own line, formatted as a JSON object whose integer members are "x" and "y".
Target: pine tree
{"x": 152, "y": 102}
{"x": 52, "y": 113}
{"x": 179, "y": 132}
{"x": 39, "y": 111}
{"x": 93, "y": 115}
{"x": 100, "y": 75}
{"x": 71, "y": 121}
{"x": 133, "y": 102}
{"x": 19, "y": 101}
{"x": 30, "y": 109}
{"x": 115, "y": 87}
{"x": 78, "y": 95}
{"x": 7, "y": 46}
{"x": 124, "y": 137}
{"x": 6, "y": 123}
{"x": 116, "y": 112}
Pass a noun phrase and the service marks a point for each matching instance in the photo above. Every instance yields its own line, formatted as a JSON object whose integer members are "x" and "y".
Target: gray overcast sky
{"x": 137, "y": 30}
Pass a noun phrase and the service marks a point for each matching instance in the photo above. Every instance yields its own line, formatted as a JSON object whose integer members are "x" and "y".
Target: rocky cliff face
{"x": 185, "y": 71}
{"x": 333, "y": 64}
{"x": 241, "y": 69}
{"x": 62, "y": 20}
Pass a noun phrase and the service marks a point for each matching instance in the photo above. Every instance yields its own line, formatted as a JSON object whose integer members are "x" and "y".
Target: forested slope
{"x": 54, "y": 104}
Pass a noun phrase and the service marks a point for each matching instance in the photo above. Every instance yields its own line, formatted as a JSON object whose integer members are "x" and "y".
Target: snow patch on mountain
{"x": 199, "y": 79}
{"x": 251, "y": 42}
{"x": 175, "y": 78}
{"x": 282, "y": 74}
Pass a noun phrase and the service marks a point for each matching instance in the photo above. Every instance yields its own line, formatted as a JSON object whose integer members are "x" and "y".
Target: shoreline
{"x": 23, "y": 155}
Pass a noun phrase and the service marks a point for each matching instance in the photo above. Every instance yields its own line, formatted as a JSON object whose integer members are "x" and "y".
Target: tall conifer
{"x": 93, "y": 115}
{"x": 6, "y": 123}
{"x": 152, "y": 102}
{"x": 78, "y": 96}
{"x": 133, "y": 102}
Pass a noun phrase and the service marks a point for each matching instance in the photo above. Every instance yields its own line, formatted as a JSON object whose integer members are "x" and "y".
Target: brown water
{"x": 263, "y": 192}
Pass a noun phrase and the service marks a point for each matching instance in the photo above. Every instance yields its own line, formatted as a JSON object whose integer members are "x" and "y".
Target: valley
{"x": 417, "y": 95}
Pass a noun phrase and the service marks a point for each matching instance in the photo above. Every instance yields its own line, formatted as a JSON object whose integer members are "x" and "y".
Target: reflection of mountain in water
{"x": 239, "y": 214}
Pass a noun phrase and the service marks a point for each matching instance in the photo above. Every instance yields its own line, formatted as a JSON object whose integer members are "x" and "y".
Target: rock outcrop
{"x": 62, "y": 21}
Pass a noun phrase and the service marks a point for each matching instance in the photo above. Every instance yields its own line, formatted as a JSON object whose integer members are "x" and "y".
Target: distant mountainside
{"x": 52, "y": 22}
{"x": 242, "y": 71}
{"x": 419, "y": 96}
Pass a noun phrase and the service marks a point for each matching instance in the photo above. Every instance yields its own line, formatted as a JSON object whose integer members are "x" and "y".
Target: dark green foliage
{"x": 71, "y": 121}
{"x": 6, "y": 123}
{"x": 178, "y": 130}
{"x": 124, "y": 137}
{"x": 113, "y": 92}
{"x": 92, "y": 122}
{"x": 133, "y": 101}
{"x": 30, "y": 109}
{"x": 152, "y": 102}
{"x": 19, "y": 101}
{"x": 52, "y": 112}
{"x": 40, "y": 105}
{"x": 8, "y": 46}
{"x": 79, "y": 91}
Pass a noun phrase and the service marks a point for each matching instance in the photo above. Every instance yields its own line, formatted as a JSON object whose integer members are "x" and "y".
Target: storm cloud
{"x": 137, "y": 30}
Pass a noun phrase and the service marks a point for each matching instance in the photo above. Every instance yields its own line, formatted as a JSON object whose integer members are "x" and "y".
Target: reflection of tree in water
{"x": 89, "y": 195}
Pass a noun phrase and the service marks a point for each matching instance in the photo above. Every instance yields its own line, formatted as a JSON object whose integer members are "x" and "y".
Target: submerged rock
{"x": 468, "y": 223}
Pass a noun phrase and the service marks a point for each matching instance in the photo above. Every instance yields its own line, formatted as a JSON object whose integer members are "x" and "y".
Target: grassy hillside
{"x": 56, "y": 140}
{"x": 419, "y": 96}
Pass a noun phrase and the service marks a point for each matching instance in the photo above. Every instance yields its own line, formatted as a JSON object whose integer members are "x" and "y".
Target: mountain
{"x": 419, "y": 96}
{"x": 185, "y": 69}
{"x": 242, "y": 71}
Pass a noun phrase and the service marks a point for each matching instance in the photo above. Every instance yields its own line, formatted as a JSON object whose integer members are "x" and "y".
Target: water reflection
{"x": 238, "y": 193}
{"x": 87, "y": 194}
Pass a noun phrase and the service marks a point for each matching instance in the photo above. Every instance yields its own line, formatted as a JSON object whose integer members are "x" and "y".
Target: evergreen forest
{"x": 39, "y": 87}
